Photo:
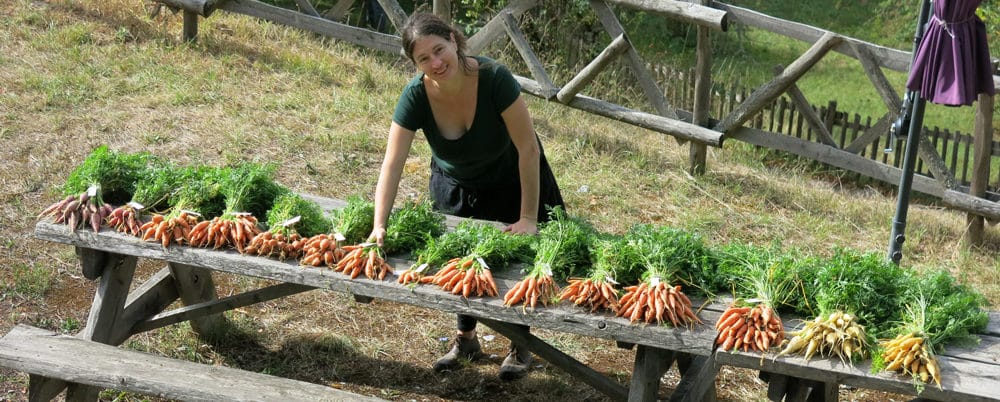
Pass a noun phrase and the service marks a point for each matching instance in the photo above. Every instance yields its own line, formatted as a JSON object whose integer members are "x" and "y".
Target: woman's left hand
{"x": 523, "y": 226}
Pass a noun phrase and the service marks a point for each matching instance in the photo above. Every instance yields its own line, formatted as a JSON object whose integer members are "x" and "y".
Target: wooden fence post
{"x": 697, "y": 153}
{"x": 982, "y": 143}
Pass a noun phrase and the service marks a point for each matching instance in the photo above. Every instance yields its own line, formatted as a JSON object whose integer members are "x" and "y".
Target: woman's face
{"x": 436, "y": 57}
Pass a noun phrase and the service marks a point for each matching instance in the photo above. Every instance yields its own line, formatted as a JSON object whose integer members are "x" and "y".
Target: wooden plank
{"x": 47, "y": 354}
{"x": 395, "y": 13}
{"x": 768, "y": 92}
{"x": 306, "y": 7}
{"x": 692, "y": 13}
{"x": 813, "y": 119}
{"x": 929, "y": 155}
{"x": 871, "y": 134}
{"x": 697, "y": 341}
{"x": 520, "y": 336}
{"x": 875, "y": 75}
{"x": 834, "y": 157}
{"x": 193, "y": 311}
{"x": 347, "y": 33}
{"x": 987, "y": 350}
{"x": 969, "y": 381}
{"x": 650, "y": 364}
{"x": 590, "y": 71}
{"x": 642, "y": 74}
{"x": 494, "y": 28}
{"x": 203, "y": 8}
{"x": 973, "y": 205}
{"x": 676, "y": 128}
{"x": 524, "y": 49}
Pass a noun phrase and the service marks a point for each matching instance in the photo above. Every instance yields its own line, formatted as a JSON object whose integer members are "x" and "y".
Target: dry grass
{"x": 78, "y": 74}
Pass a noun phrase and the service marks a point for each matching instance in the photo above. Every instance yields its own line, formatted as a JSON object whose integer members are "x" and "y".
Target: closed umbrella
{"x": 951, "y": 66}
{"x": 952, "y": 63}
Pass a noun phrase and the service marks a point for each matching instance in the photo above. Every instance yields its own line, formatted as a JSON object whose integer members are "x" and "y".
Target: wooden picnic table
{"x": 117, "y": 313}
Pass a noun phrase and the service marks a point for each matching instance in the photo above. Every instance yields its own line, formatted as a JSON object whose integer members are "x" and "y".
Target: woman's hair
{"x": 424, "y": 24}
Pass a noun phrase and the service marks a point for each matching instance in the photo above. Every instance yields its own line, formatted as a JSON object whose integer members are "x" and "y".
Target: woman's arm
{"x": 522, "y": 133}
{"x": 396, "y": 151}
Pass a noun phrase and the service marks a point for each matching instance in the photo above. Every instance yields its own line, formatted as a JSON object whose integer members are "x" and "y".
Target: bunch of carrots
{"x": 169, "y": 229}
{"x": 275, "y": 244}
{"x": 467, "y": 276}
{"x": 654, "y": 300}
{"x": 438, "y": 251}
{"x": 912, "y": 354}
{"x": 835, "y": 334}
{"x": 755, "y": 327}
{"x": 761, "y": 278}
{"x": 364, "y": 258}
{"x": 534, "y": 287}
{"x": 322, "y": 249}
{"x": 234, "y": 229}
{"x": 85, "y": 209}
{"x": 126, "y": 219}
{"x": 563, "y": 246}
{"x": 597, "y": 291}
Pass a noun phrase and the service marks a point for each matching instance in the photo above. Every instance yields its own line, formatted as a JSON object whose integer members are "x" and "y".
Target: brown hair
{"x": 424, "y": 24}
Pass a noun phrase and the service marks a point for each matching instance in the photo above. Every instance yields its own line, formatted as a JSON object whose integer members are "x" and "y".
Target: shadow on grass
{"x": 334, "y": 360}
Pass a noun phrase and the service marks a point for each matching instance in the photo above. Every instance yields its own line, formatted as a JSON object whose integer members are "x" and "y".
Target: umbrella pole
{"x": 912, "y": 113}
{"x": 906, "y": 180}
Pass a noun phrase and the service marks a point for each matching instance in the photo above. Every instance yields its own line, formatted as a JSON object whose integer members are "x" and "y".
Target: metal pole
{"x": 912, "y": 118}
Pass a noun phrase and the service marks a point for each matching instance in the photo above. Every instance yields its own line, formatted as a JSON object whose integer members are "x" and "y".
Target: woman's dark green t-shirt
{"x": 483, "y": 156}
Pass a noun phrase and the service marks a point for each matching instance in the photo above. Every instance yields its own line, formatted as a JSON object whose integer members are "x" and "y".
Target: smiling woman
{"x": 487, "y": 161}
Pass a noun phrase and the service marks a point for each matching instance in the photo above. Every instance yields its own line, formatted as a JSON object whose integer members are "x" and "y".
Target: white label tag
{"x": 92, "y": 191}
{"x": 482, "y": 263}
{"x": 611, "y": 280}
{"x": 135, "y": 205}
{"x": 339, "y": 237}
{"x": 421, "y": 268}
{"x": 239, "y": 214}
{"x": 290, "y": 222}
{"x": 189, "y": 212}
{"x": 654, "y": 281}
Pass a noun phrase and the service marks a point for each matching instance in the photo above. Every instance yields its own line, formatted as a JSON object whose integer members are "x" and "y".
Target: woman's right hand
{"x": 377, "y": 236}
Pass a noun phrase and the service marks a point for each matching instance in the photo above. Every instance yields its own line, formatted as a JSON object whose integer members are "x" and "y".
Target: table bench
{"x": 90, "y": 366}
{"x": 117, "y": 314}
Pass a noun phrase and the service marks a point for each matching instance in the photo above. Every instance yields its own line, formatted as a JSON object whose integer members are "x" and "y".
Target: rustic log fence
{"x": 739, "y": 122}
{"x": 782, "y": 116}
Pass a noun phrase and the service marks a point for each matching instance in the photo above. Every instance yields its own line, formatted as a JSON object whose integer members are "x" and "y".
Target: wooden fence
{"x": 781, "y": 116}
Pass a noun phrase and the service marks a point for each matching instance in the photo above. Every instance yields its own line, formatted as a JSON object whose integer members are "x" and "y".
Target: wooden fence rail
{"x": 782, "y": 116}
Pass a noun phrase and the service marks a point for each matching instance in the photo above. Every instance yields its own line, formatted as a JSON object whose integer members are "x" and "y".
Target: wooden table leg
{"x": 650, "y": 364}
{"x": 116, "y": 272}
{"x": 697, "y": 378}
{"x": 195, "y": 285}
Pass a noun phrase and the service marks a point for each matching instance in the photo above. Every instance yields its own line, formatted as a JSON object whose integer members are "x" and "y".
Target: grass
{"x": 75, "y": 74}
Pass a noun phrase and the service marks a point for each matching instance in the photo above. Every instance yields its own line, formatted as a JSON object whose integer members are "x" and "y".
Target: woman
{"x": 487, "y": 162}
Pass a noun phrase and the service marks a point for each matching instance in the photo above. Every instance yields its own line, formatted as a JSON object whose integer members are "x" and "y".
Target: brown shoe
{"x": 462, "y": 348}
{"x": 516, "y": 365}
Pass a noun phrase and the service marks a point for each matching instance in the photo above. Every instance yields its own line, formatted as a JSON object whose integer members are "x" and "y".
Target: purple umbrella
{"x": 952, "y": 64}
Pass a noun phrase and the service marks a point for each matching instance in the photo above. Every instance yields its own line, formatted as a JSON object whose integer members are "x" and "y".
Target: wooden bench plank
{"x": 962, "y": 380}
{"x": 44, "y": 353}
